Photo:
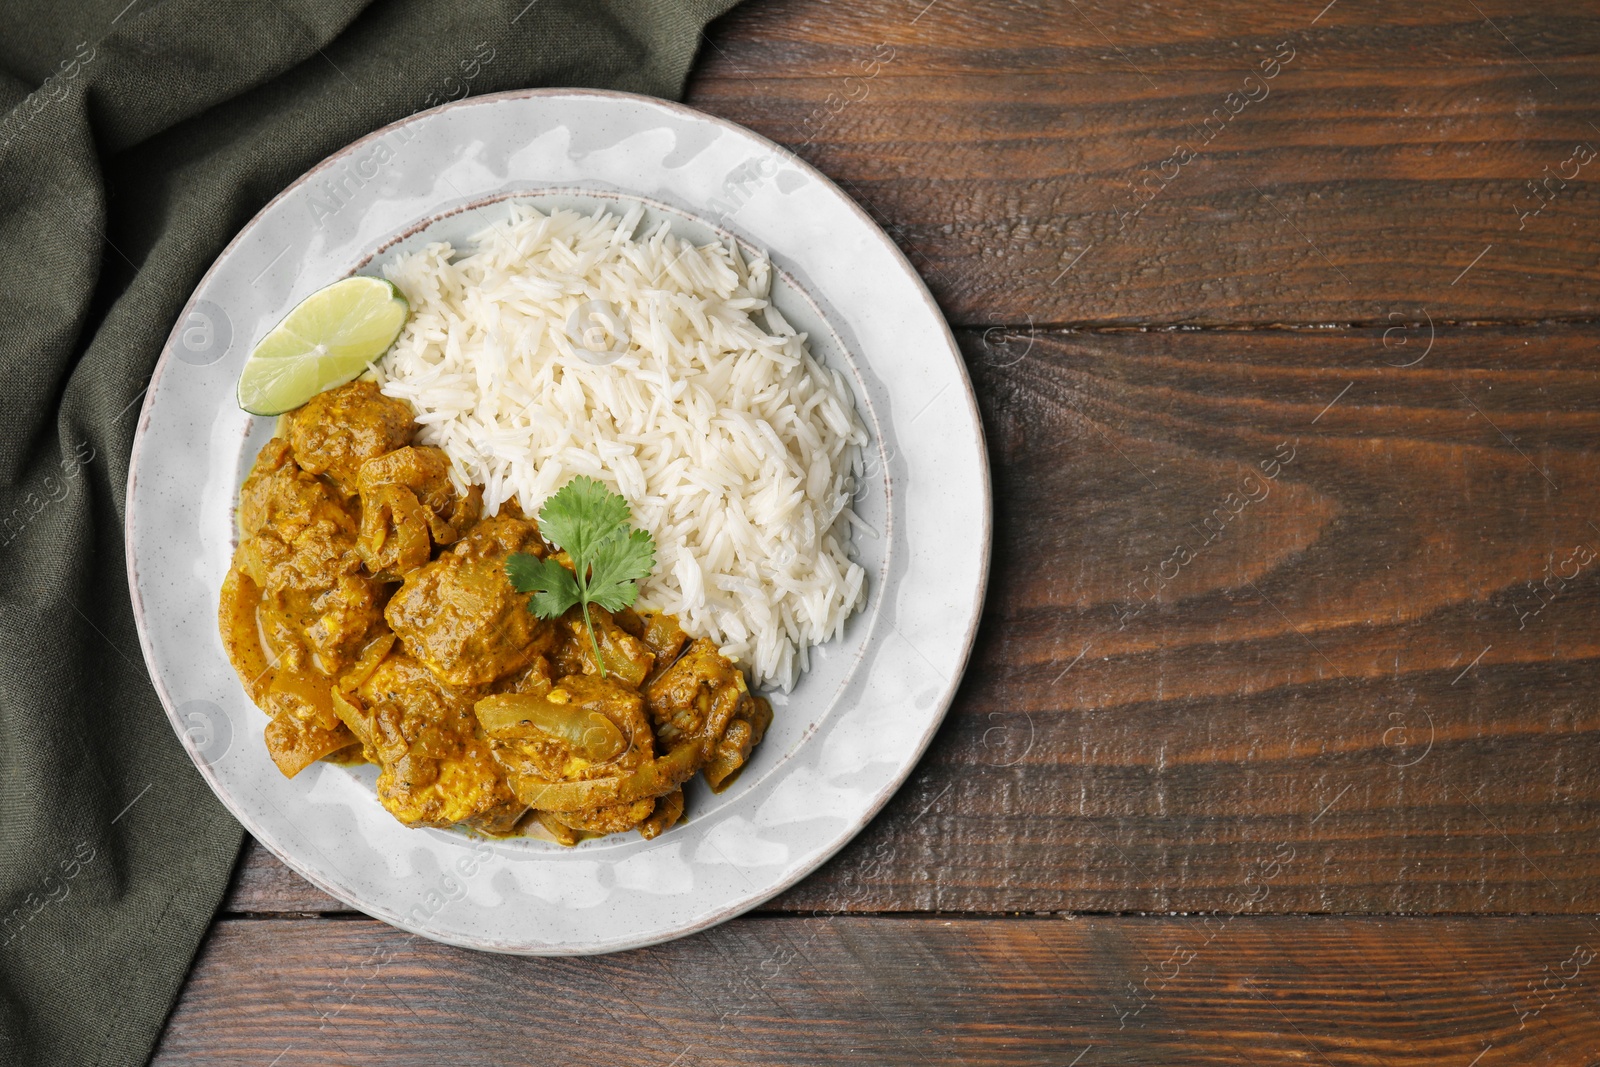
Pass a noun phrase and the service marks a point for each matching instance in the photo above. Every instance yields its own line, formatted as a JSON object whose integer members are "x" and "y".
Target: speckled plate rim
{"x": 910, "y": 748}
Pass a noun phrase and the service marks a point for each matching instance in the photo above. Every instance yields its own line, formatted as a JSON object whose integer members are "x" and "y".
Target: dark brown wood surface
{"x": 1003, "y": 139}
{"x": 789, "y": 990}
{"x": 1293, "y": 619}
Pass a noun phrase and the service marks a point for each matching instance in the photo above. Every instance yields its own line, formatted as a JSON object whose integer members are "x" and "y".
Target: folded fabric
{"x": 135, "y": 141}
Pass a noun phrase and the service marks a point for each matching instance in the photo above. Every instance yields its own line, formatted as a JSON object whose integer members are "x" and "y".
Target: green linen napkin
{"x": 136, "y": 138}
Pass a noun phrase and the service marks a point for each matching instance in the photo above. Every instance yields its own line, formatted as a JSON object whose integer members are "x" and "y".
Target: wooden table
{"x": 1279, "y": 742}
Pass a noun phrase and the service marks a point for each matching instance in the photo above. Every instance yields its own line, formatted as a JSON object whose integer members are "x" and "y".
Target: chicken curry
{"x": 368, "y": 612}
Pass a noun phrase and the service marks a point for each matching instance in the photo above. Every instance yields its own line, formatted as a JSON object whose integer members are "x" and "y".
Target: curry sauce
{"x": 369, "y": 614}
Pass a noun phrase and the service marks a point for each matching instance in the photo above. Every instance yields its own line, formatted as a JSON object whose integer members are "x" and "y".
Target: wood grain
{"x": 997, "y": 141}
{"x": 1373, "y": 682}
{"x": 1355, "y": 671}
{"x": 872, "y": 990}
{"x": 264, "y": 885}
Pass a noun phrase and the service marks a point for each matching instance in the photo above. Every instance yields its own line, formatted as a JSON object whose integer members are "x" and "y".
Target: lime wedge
{"x": 328, "y": 339}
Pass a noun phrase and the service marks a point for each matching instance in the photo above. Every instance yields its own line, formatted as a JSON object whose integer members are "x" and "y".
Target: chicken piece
{"x": 330, "y": 623}
{"x": 664, "y": 637}
{"x": 502, "y": 534}
{"x": 744, "y": 733}
{"x": 407, "y": 507}
{"x": 280, "y": 498}
{"x": 626, "y": 657}
{"x": 299, "y": 555}
{"x": 669, "y": 809}
{"x": 535, "y": 678}
{"x": 271, "y": 484}
{"x": 694, "y": 700}
{"x": 335, "y": 432}
{"x": 460, "y": 615}
{"x": 702, "y": 704}
{"x": 435, "y": 768}
{"x": 583, "y": 729}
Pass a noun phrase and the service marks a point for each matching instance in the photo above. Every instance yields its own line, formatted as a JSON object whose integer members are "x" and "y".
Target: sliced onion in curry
{"x": 346, "y": 705}
{"x": 295, "y": 745}
{"x": 654, "y": 779}
{"x": 526, "y": 716}
{"x": 372, "y": 654}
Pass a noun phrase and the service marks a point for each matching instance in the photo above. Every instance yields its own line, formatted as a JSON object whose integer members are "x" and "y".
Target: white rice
{"x": 736, "y": 449}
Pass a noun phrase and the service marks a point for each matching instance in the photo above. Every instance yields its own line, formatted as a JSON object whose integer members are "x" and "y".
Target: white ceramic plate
{"x": 841, "y": 742}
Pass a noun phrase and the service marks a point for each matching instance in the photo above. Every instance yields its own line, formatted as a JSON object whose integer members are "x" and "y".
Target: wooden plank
{"x": 851, "y": 990}
{"x": 1372, "y": 692}
{"x": 1000, "y": 142}
{"x": 1365, "y": 685}
{"x": 263, "y": 885}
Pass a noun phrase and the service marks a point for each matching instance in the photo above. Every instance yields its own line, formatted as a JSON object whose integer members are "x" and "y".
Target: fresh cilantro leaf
{"x": 590, "y": 523}
{"x": 580, "y": 515}
{"x": 620, "y": 560}
{"x": 554, "y": 588}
